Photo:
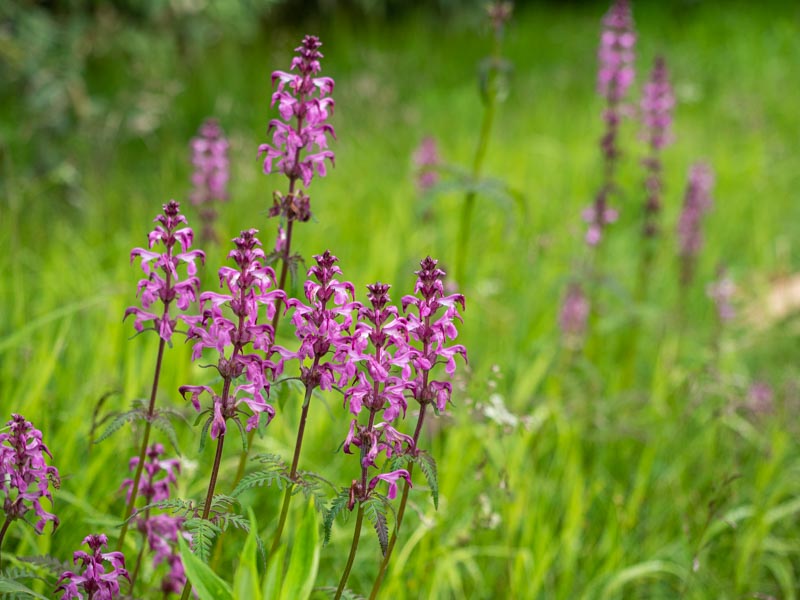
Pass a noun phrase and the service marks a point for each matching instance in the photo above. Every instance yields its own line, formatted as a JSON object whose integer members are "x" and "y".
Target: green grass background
{"x": 618, "y": 474}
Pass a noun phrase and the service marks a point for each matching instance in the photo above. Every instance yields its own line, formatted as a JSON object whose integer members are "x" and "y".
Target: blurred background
{"x": 562, "y": 475}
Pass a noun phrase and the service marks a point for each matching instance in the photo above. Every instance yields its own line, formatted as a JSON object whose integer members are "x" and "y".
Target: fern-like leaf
{"x": 203, "y": 534}
{"x": 339, "y": 502}
{"x": 427, "y": 464}
{"x": 121, "y": 419}
{"x": 163, "y": 424}
{"x": 260, "y": 478}
{"x": 375, "y": 511}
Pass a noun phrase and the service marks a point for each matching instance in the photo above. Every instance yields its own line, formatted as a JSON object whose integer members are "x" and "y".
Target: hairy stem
{"x": 145, "y": 441}
{"x": 212, "y": 484}
{"x": 400, "y": 513}
{"x": 353, "y": 549}
{"x": 287, "y": 495}
{"x": 3, "y": 530}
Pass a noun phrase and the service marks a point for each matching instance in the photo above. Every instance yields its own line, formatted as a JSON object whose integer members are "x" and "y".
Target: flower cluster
{"x": 657, "y": 105}
{"x": 25, "y": 477}
{"x": 163, "y": 282}
{"x": 160, "y": 531}
{"x": 432, "y": 331}
{"x": 323, "y": 325}
{"x": 248, "y": 286}
{"x": 95, "y": 581}
{"x": 697, "y": 202}
{"x": 380, "y": 344}
{"x": 616, "y": 54}
{"x": 211, "y": 173}
{"x": 614, "y": 78}
{"x": 304, "y": 105}
{"x": 150, "y": 488}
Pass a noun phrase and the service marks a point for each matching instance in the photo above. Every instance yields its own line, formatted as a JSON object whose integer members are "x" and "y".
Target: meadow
{"x": 637, "y": 464}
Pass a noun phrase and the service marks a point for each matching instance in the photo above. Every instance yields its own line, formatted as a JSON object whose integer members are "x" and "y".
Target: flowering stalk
{"x": 211, "y": 174}
{"x": 163, "y": 284}
{"x": 94, "y": 581}
{"x": 25, "y": 477}
{"x": 379, "y": 391}
{"x": 658, "y": 102}
{"x": 614, "y": 78}
{"x": 499, "y": 13}
{"x": 160, "y": 531}
{"x": 321, "y": 334}
{"x": 304, "y": 105}
{"x": 248, "y": 286}
{"x": 696, "y": 203}
{"x": 431, "y": 332}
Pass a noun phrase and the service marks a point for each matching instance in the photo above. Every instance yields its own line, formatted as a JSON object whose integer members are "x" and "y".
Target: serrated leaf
{"x": 203, "y": 534}
{"x": 120, "y": 420}
{"x": 259, "y": 478}
{"x": 245, "y": 580}
{"x": 303, "y": 558}
{"x": 9, "y": 586}
{"x": 207, "y": 584}
{"x": 242, "y": 433}
{"x": 376, "y": 515}
{"x": 337, "y": 504}
{"x": 311, "y": 486}
{"x": 164, "y": 425}
{"x": 427, "y": 464}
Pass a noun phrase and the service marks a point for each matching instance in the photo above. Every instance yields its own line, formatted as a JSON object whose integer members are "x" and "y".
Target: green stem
{"x": 400, "y": 513}
{"x": 145, "y": 441}
{"x": 6, "y": 523}
{"x": 212, "y": 484}
{"x": 287, "y": 495}
{"x": 353, "y": 548}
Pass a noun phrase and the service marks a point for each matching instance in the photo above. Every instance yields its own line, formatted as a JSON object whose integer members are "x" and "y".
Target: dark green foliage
{"x": 427, "y": 465}
{"x": 338, "y": 504}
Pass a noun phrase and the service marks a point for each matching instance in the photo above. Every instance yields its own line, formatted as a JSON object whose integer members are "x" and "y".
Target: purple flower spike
{"x": 237, "y": 340}
{"x": 299, "y": 145}
{"x": 211, "y": 173}
{"x": 150, "y": 488}
{"x": 616, "y": 53}
{"x": 95, "y": 580}
{"x": 697, "y": 202}
{"x": 163, "y": 282}
{"x": 323, "y": 325}
{"x": 657, "y": 105}
{"x": 25, "y": 477}
{"x": 432, "y": 327}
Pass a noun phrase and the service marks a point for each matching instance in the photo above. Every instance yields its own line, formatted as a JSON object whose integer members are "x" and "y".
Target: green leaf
{"x": 374, "y": 510}
{"x": 427, "y": 464}
{"x": 204, "y": 434}
{"x": 120, "y": 420}
{"x": 9, "y": 586}
{"x": 245, "y": 580}
{"x": 271, "y": 589}
{"x": 203, "y": 534}
{"x": 259, "y": 478}
{"x": 303, "y": 559}
{"x": 337, "y": 504}
{"x": 164, "y": 425}
{"x": 207, "y": 584}
{"x": 242, "y": 434}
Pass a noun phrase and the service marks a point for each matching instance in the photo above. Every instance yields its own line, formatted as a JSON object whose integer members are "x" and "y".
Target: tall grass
{"x": 598, "y": 486}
